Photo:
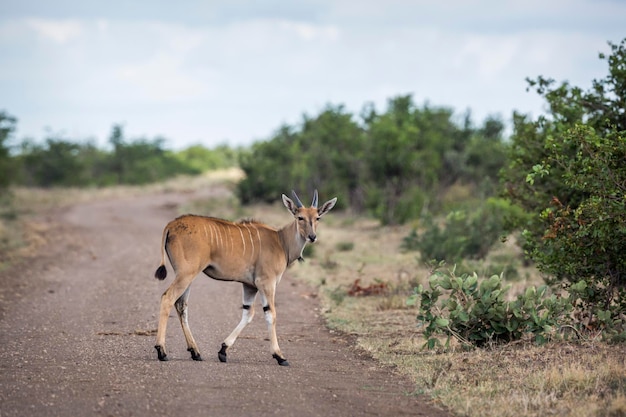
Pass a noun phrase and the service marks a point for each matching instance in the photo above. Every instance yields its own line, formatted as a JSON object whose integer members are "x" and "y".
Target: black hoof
{"x": 161, "y": 353}
{"x": 281, "y": 361}
{"x": 222, "y": 353}
{"x": 194, "y": 354}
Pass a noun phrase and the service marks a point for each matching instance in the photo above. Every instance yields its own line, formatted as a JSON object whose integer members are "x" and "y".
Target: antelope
{"x": 248, "y": 252}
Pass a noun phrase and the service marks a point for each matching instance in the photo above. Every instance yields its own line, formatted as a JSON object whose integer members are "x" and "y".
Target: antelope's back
{"x": 228, "y": 251}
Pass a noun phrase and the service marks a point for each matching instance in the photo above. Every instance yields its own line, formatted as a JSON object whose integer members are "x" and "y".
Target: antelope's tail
{"x": 161, "y": 272}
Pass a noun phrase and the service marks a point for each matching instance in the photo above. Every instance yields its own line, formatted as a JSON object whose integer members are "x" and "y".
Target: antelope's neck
{"x": 292, "y": 243}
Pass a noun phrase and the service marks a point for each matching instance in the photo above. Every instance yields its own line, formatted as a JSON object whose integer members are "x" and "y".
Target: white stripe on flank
{"x": 212, "y": 238}
{"x": 219, "y": 232}
{"x": 251, "y": 241}
{"x": 243, "y": 240}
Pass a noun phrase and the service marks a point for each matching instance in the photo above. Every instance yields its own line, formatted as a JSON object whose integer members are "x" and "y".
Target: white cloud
{"x": 58, "y": 31}
{"x": 309, "y": 32}
{"x": 163, "y": 79}
{"x": 489, "y": 56}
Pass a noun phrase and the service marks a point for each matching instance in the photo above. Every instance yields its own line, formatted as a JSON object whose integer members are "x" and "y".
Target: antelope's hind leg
{"x": 249, "y": 295}
{"x": 172, "y": 294}
{"x": 181, "y": 309}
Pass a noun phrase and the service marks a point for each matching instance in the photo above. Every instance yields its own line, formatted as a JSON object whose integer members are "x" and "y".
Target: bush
{"x": 588, "y": 241}
{"x": 62, "y": 162}
{"x": 201, "y": 159}
{"x": 475, "y": 312}
{"x": 567, "y": 170}
{"x": 344, "y": 246}
{"x": 7, "y": 126}
{"x": 464, "y": 233}
{"x": 323, "y": 152}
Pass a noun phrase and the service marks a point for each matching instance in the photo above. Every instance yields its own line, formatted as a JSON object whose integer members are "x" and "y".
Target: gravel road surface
{"x": 78, "y": 322}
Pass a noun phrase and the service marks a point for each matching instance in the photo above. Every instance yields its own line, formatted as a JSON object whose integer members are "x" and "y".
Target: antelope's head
{"x": 307, "y": 217}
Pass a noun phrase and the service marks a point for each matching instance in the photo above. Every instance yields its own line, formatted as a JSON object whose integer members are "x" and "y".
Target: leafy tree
{"x": 324, "y": 153}
{"x": 53, "y": 163}
{"x": 404, "y": 157}
{"x": 568, "y": 169}
{"x": 268, "y": 167}
{"x": 7, "y": 126}
{"x": 96, "y": 163}
{"x": 142, "y": 161}
{"x": 484, "y": 156}
{"x": 332, "y": 150}
{"x": 467, "y": 233}
{"x": 200, "y": 158}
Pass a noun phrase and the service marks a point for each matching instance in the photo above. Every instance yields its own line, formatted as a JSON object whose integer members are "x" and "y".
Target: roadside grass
{"x": 581, "y": 378}
{"x": 31, "y": 199}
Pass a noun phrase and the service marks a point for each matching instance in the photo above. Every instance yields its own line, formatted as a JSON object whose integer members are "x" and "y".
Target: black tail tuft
{"x": 161, "y": 273}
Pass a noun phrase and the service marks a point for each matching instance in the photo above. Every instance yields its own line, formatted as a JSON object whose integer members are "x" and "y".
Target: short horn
{"x": 298, "y": 202}
{"x": 314, "y": 203}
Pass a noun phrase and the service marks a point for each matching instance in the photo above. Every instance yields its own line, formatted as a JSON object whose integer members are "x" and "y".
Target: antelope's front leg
{"x": 269, "y": 309}
{"x": 249, "y": 295}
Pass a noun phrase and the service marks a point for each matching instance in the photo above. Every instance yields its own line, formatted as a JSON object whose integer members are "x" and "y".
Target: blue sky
{"x": 214, "y": 72}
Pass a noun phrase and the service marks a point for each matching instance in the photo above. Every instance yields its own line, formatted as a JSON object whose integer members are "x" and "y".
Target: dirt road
{"x": 77, "y": 334}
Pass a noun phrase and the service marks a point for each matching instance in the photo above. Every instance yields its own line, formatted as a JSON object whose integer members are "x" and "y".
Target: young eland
{"x": 248, "y": 252}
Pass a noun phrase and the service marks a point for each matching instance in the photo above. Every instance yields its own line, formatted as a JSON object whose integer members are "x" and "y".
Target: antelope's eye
{"x": 318, "y": 219}
{"x": 300, "y": 218}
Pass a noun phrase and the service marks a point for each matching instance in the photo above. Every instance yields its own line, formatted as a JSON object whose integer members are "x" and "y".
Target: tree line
{"x": 393, "y": 164}
{"x": 59, "y": 161}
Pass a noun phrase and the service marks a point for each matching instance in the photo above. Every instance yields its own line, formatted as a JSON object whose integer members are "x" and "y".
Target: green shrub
{"x": 7, "y": 127}
{"x": 464, "y": 233}
{"x": 567, "y": 170}
{"x": 506, "y": 267}
{"x": 476, "y": 312}
{"x": 345, "y": 246}
{"x": 62, "y": 162}
{"x": 308, "y": 252}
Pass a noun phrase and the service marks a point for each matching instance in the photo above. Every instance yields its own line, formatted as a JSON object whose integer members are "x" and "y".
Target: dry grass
{"x": 563, "y": 379}
{"x": 40, "y": 199}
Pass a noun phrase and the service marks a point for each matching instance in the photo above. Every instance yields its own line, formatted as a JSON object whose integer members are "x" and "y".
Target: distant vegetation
{"x": 59, "y": 161}
{"x": 7, "y": 125}
{"x": 396, "y": 165}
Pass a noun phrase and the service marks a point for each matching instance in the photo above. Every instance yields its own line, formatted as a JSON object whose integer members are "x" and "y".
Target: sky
{"x": 232, "y": 72}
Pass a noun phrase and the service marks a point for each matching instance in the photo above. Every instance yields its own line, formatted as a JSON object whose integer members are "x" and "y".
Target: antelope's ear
{"x": 326, "y": 207}
{"x": 291, "y": 206}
